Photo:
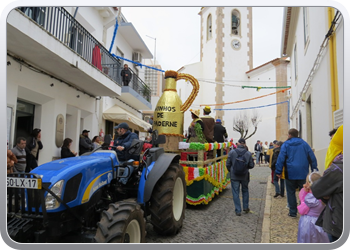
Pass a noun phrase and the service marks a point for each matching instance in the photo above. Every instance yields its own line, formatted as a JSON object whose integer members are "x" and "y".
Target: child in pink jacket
{"x": 309, "y": 209}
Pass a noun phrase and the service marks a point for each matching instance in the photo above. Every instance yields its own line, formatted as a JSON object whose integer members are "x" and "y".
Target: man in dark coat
{"x": 85, "y": 144}
{"x": 240, "y": 180}
{"x": 122, "y": 143}
{"x": 126, "y": 75}
{"x": 220, "y": 134}
{"x": 278, "y": 188}
{"x": 257, "y": 149}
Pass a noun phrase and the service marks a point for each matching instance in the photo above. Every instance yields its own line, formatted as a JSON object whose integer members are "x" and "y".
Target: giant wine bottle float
{"x": 168, "y": 115}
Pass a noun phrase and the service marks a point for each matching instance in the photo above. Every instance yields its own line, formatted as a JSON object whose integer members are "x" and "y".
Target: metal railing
{"x": 62, "y": 25}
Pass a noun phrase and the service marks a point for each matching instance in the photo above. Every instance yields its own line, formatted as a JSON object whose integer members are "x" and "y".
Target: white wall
{"x": 32, "y": 87}
{"x": 320, "y": 89}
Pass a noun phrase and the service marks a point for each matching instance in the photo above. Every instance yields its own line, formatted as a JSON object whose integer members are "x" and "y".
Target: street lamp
{"x": 155, "y": 44}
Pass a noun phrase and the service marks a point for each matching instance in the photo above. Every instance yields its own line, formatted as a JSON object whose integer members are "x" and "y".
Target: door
{"x": 24, "y": 120}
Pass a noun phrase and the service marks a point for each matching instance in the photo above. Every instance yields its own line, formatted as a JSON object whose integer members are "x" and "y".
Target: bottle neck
{"x": 170, "y": 83}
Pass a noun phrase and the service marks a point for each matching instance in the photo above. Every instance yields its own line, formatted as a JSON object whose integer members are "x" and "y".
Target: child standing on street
{"x": 310, "y": 209}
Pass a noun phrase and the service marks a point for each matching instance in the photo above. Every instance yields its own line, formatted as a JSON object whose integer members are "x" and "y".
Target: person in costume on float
{"x": 209, "y": 124}
{"x": 195, "y": 130}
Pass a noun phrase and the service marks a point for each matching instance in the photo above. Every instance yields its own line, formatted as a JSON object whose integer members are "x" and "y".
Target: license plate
{"x": 30, "y": 183}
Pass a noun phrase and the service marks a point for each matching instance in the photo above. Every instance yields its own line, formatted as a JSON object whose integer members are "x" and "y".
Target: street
{"x": 217, "y": 221}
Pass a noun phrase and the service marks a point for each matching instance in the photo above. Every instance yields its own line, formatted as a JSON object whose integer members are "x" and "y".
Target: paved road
{"x": 217, "y": 222}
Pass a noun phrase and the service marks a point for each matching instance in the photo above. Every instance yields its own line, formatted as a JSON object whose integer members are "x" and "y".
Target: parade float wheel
{"x": 123, "y": 222}
{"x": 168, "y": 201}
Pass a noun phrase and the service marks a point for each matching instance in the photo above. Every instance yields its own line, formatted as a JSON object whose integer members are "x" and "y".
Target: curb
{"x": 265, "y": 232}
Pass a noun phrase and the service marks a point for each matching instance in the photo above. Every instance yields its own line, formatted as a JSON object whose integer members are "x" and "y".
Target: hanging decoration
{"x": 137, "y": 63}
{"x": 258, "y": 88}
{"x": 257, "y": 107}
{"x": 222, "y": 104}
{"x": 114, "y": 34}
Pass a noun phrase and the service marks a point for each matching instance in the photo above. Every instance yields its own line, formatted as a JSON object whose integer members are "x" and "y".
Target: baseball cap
{"x": 122, "y": 125}
{"x": 275, "y": 141}
{"x": 241, "y": 141}
{"x": 218, "y": 120}
{"x": 85, "y": 131}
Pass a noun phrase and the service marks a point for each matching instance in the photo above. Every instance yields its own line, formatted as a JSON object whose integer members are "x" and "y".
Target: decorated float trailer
{"x": 205, "y": 177}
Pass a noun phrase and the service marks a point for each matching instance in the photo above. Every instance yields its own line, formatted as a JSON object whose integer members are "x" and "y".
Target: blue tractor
{"x": 86, "y": 195}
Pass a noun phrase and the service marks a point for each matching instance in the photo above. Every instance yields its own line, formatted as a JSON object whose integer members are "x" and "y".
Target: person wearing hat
{"x": 238, "y": 180}
{"x": 220, "y": 134}
{"x": 33, "y": 146}
{"x": 209, "y": 124}
{"x": 85, "y": 144}
{"x": 195, "y": 130}
{"x": 123, "y": 142}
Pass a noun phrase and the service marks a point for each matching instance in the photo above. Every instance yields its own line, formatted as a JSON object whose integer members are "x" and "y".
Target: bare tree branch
{"x": 243, "y": 121}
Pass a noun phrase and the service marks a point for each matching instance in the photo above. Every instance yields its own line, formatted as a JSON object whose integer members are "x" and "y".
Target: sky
{"x": 177, "y": 39}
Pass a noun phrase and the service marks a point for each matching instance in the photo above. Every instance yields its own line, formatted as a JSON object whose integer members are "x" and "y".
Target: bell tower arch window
{"x": 209, "y": 27}
{"x": 235, "y": 23}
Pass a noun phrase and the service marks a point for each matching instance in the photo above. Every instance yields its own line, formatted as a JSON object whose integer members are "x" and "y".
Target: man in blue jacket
{"x": 123, "y": 141}
{"x": 296, "y": 155}
{"x": 122, "y": 144}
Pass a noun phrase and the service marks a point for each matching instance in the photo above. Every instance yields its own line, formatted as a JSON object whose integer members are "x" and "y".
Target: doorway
{"x": 24, "y": 120}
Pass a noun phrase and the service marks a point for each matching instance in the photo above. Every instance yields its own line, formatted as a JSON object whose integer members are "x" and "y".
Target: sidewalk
{"x": 277, "y": 226}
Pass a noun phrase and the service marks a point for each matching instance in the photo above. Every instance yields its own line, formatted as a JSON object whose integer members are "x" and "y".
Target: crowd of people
{"x": 25, "y": 155}
{"x": 294, "y": 168}
{"x": 293, "y": 165}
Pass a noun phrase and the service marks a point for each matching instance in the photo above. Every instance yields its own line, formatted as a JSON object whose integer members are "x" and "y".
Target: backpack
{"x": 240, "y": 166}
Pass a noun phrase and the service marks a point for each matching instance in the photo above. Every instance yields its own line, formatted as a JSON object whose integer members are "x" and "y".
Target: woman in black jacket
{"x": 65, "y": 150}
{"x": 329, "y": 188}
{"x": 33, "y": 146}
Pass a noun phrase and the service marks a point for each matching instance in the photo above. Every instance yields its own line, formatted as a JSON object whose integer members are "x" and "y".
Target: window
{"x": 295, "y": 64}
{"x": 235, "y": 23}
{"x": 209, "y": 27}
{"x": 306, "y": 25}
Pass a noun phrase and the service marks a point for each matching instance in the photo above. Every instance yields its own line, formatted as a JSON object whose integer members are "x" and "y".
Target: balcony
{"x": 51, "y": 39}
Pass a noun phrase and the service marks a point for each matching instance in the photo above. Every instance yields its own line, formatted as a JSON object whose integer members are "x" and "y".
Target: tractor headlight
{"x": 51, "y": 202}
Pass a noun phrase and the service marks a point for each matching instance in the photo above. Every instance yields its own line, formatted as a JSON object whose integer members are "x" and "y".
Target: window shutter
{"x": 338, "y": 118}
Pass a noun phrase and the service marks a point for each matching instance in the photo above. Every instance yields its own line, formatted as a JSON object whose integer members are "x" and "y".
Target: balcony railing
{"x": 62, "y": 25}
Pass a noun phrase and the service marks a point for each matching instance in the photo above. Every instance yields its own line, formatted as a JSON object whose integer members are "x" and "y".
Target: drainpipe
{"x": 333, "y": 65}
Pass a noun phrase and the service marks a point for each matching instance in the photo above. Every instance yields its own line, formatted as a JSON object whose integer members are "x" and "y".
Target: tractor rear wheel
{"x": 168, "y": 201}
{"x": 123, "y": 222}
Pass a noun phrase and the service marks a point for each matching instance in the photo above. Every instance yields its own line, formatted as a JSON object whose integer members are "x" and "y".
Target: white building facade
{"x": 316, "y": 54}
{"x": 225, "y": 73}
{"x": 62, "y": 79}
